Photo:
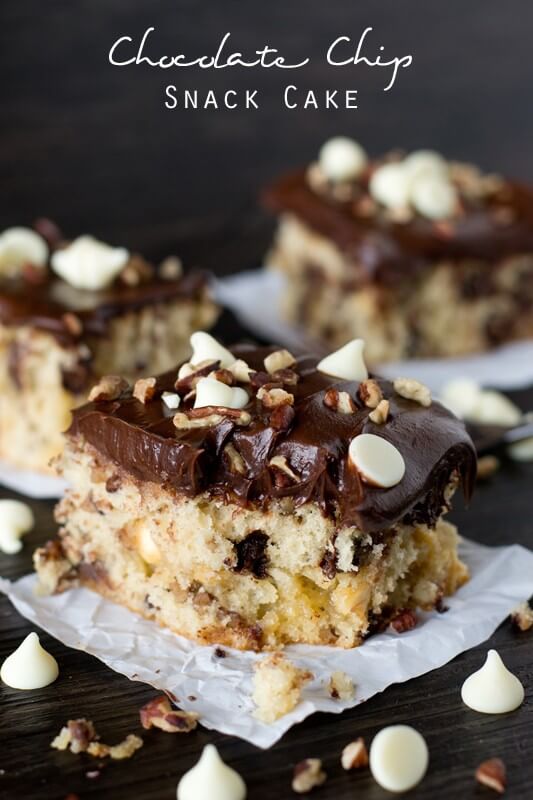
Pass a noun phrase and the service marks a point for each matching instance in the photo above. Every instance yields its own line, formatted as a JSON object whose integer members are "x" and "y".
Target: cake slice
{"x": 253, "y": 499}
{"x": 420, "y": 256}
{"x": 69, "y": 318}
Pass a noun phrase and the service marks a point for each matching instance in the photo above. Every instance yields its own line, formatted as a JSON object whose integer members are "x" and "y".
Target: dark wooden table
{"x": 458, "y": 739}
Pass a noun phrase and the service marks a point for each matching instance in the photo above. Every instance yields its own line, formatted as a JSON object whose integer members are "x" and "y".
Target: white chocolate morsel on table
{"x": 206, "y": 348}
{"x": 378, "y": 461}
{"x": 16, "y": 519}
{"x": 398, "y": 758}
{"x": 492, "y": 689}
{"x": 89, "y": 264}
{"x": 521, "y": 451}
{"x": 390, "y": 186}
{"x": 469, "y": 401}
{"x": 210, "y": 392}
{"x": 342, "y": 159}
{"x": 346, "y": 363}
{"x": 211, "y": 779}
{"x": 18, "y": 247}
{"x": 29, "y": 666}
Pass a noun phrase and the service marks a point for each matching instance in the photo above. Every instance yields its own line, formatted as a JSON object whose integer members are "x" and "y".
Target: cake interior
{"x": 249, "y": 577}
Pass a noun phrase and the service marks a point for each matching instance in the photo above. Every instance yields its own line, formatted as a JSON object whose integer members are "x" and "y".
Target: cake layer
{"x": 247, "y": 577}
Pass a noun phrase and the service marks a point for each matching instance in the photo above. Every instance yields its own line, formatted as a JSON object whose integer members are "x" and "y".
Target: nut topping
{"x": 171, "y": 268}
{"x": 144, "y": 389}
{"x": 413, "y": 390}
{"x": 339, "y": 401}
{"x": 492, "y": 773}
{"x": 280, "y": 462}
{"x": 272, "y": 398}
{"x": 522, "y": 617}
{"x": 209, "y": 416}
{"x": 381, "y": 413}
{"x": 404, "y": 620}
{"x": 110, "y": 387}
{"x": 235, "y": 459}
{"x": 370, "y": 393}
{"x": 307, "y": 775}
{"x": 280, "y": 359}
{"x": 240, "y": 371}
{"x": 158, "y": 713}
{"x": 72, "y": 323}
{"x": 355, "y": 755}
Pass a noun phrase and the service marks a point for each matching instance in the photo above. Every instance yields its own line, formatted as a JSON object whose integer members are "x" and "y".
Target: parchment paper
{"x": 501, "y": 578}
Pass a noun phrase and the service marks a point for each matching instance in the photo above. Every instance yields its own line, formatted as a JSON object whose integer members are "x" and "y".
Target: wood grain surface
{"x": 458, "y": 739}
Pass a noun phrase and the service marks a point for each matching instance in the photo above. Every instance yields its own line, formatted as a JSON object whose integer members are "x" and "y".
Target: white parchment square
{"x": 501, "y": 578}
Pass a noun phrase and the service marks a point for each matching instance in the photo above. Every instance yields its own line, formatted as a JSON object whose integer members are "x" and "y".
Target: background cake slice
{"x": 418, "y": 255}
{"x": 87, "y": 311}
{"x": 254, "y": 499}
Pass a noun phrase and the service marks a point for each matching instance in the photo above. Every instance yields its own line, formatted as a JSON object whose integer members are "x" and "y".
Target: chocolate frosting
{"x": 313, "y": 438}
{"x": 387, "y": 252}
{"x": 44, "y": 299}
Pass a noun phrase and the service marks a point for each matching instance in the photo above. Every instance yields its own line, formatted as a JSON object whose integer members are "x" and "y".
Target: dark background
{"x": 94, "y": 147}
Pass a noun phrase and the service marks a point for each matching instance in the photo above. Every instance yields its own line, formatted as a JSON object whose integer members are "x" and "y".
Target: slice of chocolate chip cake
{"x": 254, "y": 499}
{"x": 70, "y": 313}
{"x": 419, "y": 255}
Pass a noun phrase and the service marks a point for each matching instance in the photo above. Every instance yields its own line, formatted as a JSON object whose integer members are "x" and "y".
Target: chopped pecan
{"x": 118, "y": 752}
{"x": 487, "y": 466}
{"x": 271, "y": 398}
{"x": 158, "y": 713}
{"x": 307, "y": 775}
{"x": 72, "y": 323}
{"x": 492, "y": 773}
{"x": 404, "y": 620}
{"x": 413, "y": 390}
{"x": 280, "y": 359}
{"x": 75, "y": 736}
{"x": 339, "y": 401}
{"x": 522, "y": 617}
{"x": 110, "y": 387}
{"x": 171, "y": 268}
{"x": 370, "y": 393}
{"x": 188, "y": 376}
{"x": 223, "y": 376}
{"x": 282, "y": 417}
{"x": 380, "y": 413}
{"x": 209, "y": 416}
{"x": 235, "y": 459}
{"x": 280, "y": 462}
{"x": 136, "y": 271}
{"x": 355, "y": 755}
{"x": 241, "y": 371}
{"x": 144, "y": 389}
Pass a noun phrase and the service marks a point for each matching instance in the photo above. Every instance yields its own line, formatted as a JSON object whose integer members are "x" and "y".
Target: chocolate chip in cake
{"x": 251, "y": 554}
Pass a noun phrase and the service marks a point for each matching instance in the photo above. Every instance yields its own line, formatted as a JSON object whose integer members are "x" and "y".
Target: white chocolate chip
{"x": 89, "y": 264}
{"x": 148, "y": 550}
{"x": 521, "y": 451}
{"x": 342, "y": 159}
{"x": 469, "y": 401}
{"x": 492, "y": 689}
{"x": 16, "y": 519}
{"x": 210, "y": 392}
{"x": 389, "y": 185}
{"x": 378, "y": 461}
{"x": 425, "y": 162}
{"x": 29, "y": 666}
{"x": 206, "y": 348}
{"x": 433, "y": 197}
{"x": 20, "y": 246}
{"x": 346, "y": 363}
{"x": 210, "y": 778}
{"x": 171, "y": 399}
{"x": 398, "y": 758}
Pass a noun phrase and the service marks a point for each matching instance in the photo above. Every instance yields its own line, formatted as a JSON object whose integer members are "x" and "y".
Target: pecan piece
{"x": 522, "y": 617}
{"x": 370, "y": 393}
{"x": 492, "y": 773}
{"x": 380, "y": 413}
{"x": 171, "y": 268}
{"x": 72, "y": 323}
{"x": 404, "y": 620}
{"x": 339, "y": 401}
{"x": 355, "y": 755}
{"x": 307, "y": 775}
{"x": 158, "y": 713}
{"x": 280, "y": 359}
{"x": 144, "y": 389}
{"x": 413, "y": 390}
{"x": 110, "y": 387}
{"x": 271, "y": 398}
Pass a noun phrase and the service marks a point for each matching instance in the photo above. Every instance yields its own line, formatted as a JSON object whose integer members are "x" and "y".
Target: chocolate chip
{"x": 251, "y": 554}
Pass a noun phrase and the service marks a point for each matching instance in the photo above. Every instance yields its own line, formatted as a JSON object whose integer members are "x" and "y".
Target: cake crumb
{"x": 277, "y": 687}
{"x": 340, "y": 686}
{"x": 522, "y": 617}
{"x": 80, "y": 736}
